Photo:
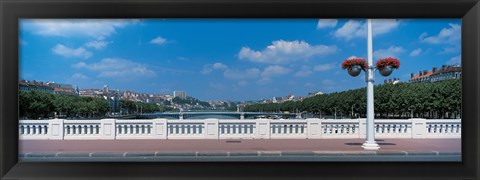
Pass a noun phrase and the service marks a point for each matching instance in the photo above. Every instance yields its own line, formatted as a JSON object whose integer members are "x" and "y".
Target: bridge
{"x": 219, "y": 115}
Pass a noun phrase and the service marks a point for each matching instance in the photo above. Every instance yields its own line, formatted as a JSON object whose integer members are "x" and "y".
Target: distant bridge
{"x": 221, "y": 115}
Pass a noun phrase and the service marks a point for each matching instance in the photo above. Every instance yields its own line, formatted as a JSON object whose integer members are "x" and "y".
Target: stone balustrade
{"x": 313, "y": 128}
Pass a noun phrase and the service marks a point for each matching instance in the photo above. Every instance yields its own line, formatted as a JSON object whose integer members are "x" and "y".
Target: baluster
{"x": 25, "y": 129}
{"x": 68, "y": 130}
{"x": 77, "y": 129}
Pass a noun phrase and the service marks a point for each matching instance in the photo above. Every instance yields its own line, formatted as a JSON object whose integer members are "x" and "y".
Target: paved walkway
{"x": 199, "y": 146}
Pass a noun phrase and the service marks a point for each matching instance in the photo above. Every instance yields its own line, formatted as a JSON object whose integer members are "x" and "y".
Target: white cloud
{"x": 392, "y": 51}
{"x": 309, "y": 84}
{"x": 448, "y": 50}
{"x": 64, "y": 51}
{"x": 281, "y": 52}
{"x": 117, "y": 68}
{"x": 239, "y": 74}
{"x": 350, "y": 30}
{"x": 326, "y": 23}
{"x": 274, "y": 70}
{"x": 79, "y": 76}
{"x": 457, "y": 60}
{"x": 355, "y": 29}
{"x": 242, "y": 83}
{"x": 208, "y": 68}
{"x": 158, "y": 40}
{"x": 303, "y": 73}
{"x": 96, "y": 28}
{"x": 97, "y": 44}
{"x": 451, "y": 35}
{"x": 219, "y": 66}
{"x": 416, "y": 52}
{"x": 325, "y": 67}
{"x": 327, "y": 81}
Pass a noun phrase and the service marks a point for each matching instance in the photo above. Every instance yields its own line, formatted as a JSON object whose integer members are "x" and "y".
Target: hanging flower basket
{"x": 354, "y": 66}
{"x": 354, "y": 70}
{"x": 386, "y": 65}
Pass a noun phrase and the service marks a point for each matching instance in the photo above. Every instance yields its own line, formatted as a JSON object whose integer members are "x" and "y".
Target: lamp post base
{"x": 370, "y": 145}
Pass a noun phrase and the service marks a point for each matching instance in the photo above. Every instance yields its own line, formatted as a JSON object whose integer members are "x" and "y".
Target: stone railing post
{"x": 108, "y": 129}
{"x": 362, "y": 128}
{"x": 262, "y": 129}
{"x": 314, "y": 128}
{"x": 211, "y": 129}
{"x": 160, "y": 128}
{"x": 419, "y": 128}
{"x": 56, "y": 129}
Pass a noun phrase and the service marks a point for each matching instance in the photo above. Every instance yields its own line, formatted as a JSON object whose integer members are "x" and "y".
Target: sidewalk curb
{"x": 232, "y": 154}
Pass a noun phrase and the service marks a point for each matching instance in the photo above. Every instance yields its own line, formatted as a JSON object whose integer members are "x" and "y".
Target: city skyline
{"x": 220, "y": 59}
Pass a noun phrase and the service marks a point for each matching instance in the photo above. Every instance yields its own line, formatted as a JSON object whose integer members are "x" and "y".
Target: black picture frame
{"x": 12, "y": 10}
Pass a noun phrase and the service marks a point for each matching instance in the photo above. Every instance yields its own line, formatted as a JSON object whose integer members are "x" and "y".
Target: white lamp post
{"x": 370, "y": 143}
{"x": 385, "y": 67}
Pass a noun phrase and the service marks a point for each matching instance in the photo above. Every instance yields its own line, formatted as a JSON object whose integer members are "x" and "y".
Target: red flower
{"x": 382, "y": 63}
{"x": 348, "y": 63}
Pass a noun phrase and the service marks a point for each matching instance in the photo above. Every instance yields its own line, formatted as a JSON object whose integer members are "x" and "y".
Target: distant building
{"x": 34, "y": 85}
{"x": 90, "y": 93}
{"x": 290, "y": 97}
{"x": 444, "y": 73}
{"x": 105, "y": 89}
{"x": 311, "y": 94}
{"x": 67, "y": 89}
{"x": 180, "y": 94}
{"x": 277, "y": 99}
{"x": 50, "y": 87}
{"x": 113, "y": 102}
{"x": 391, "y": 81}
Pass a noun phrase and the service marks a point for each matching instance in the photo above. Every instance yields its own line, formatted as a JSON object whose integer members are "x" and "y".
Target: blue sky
{"x": 228, "y": 59}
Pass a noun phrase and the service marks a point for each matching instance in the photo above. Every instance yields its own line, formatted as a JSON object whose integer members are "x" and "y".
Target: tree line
{"x": 38, "y": 104}
{"x": 131, "y": 107}
{"x": 440, "y": 99}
